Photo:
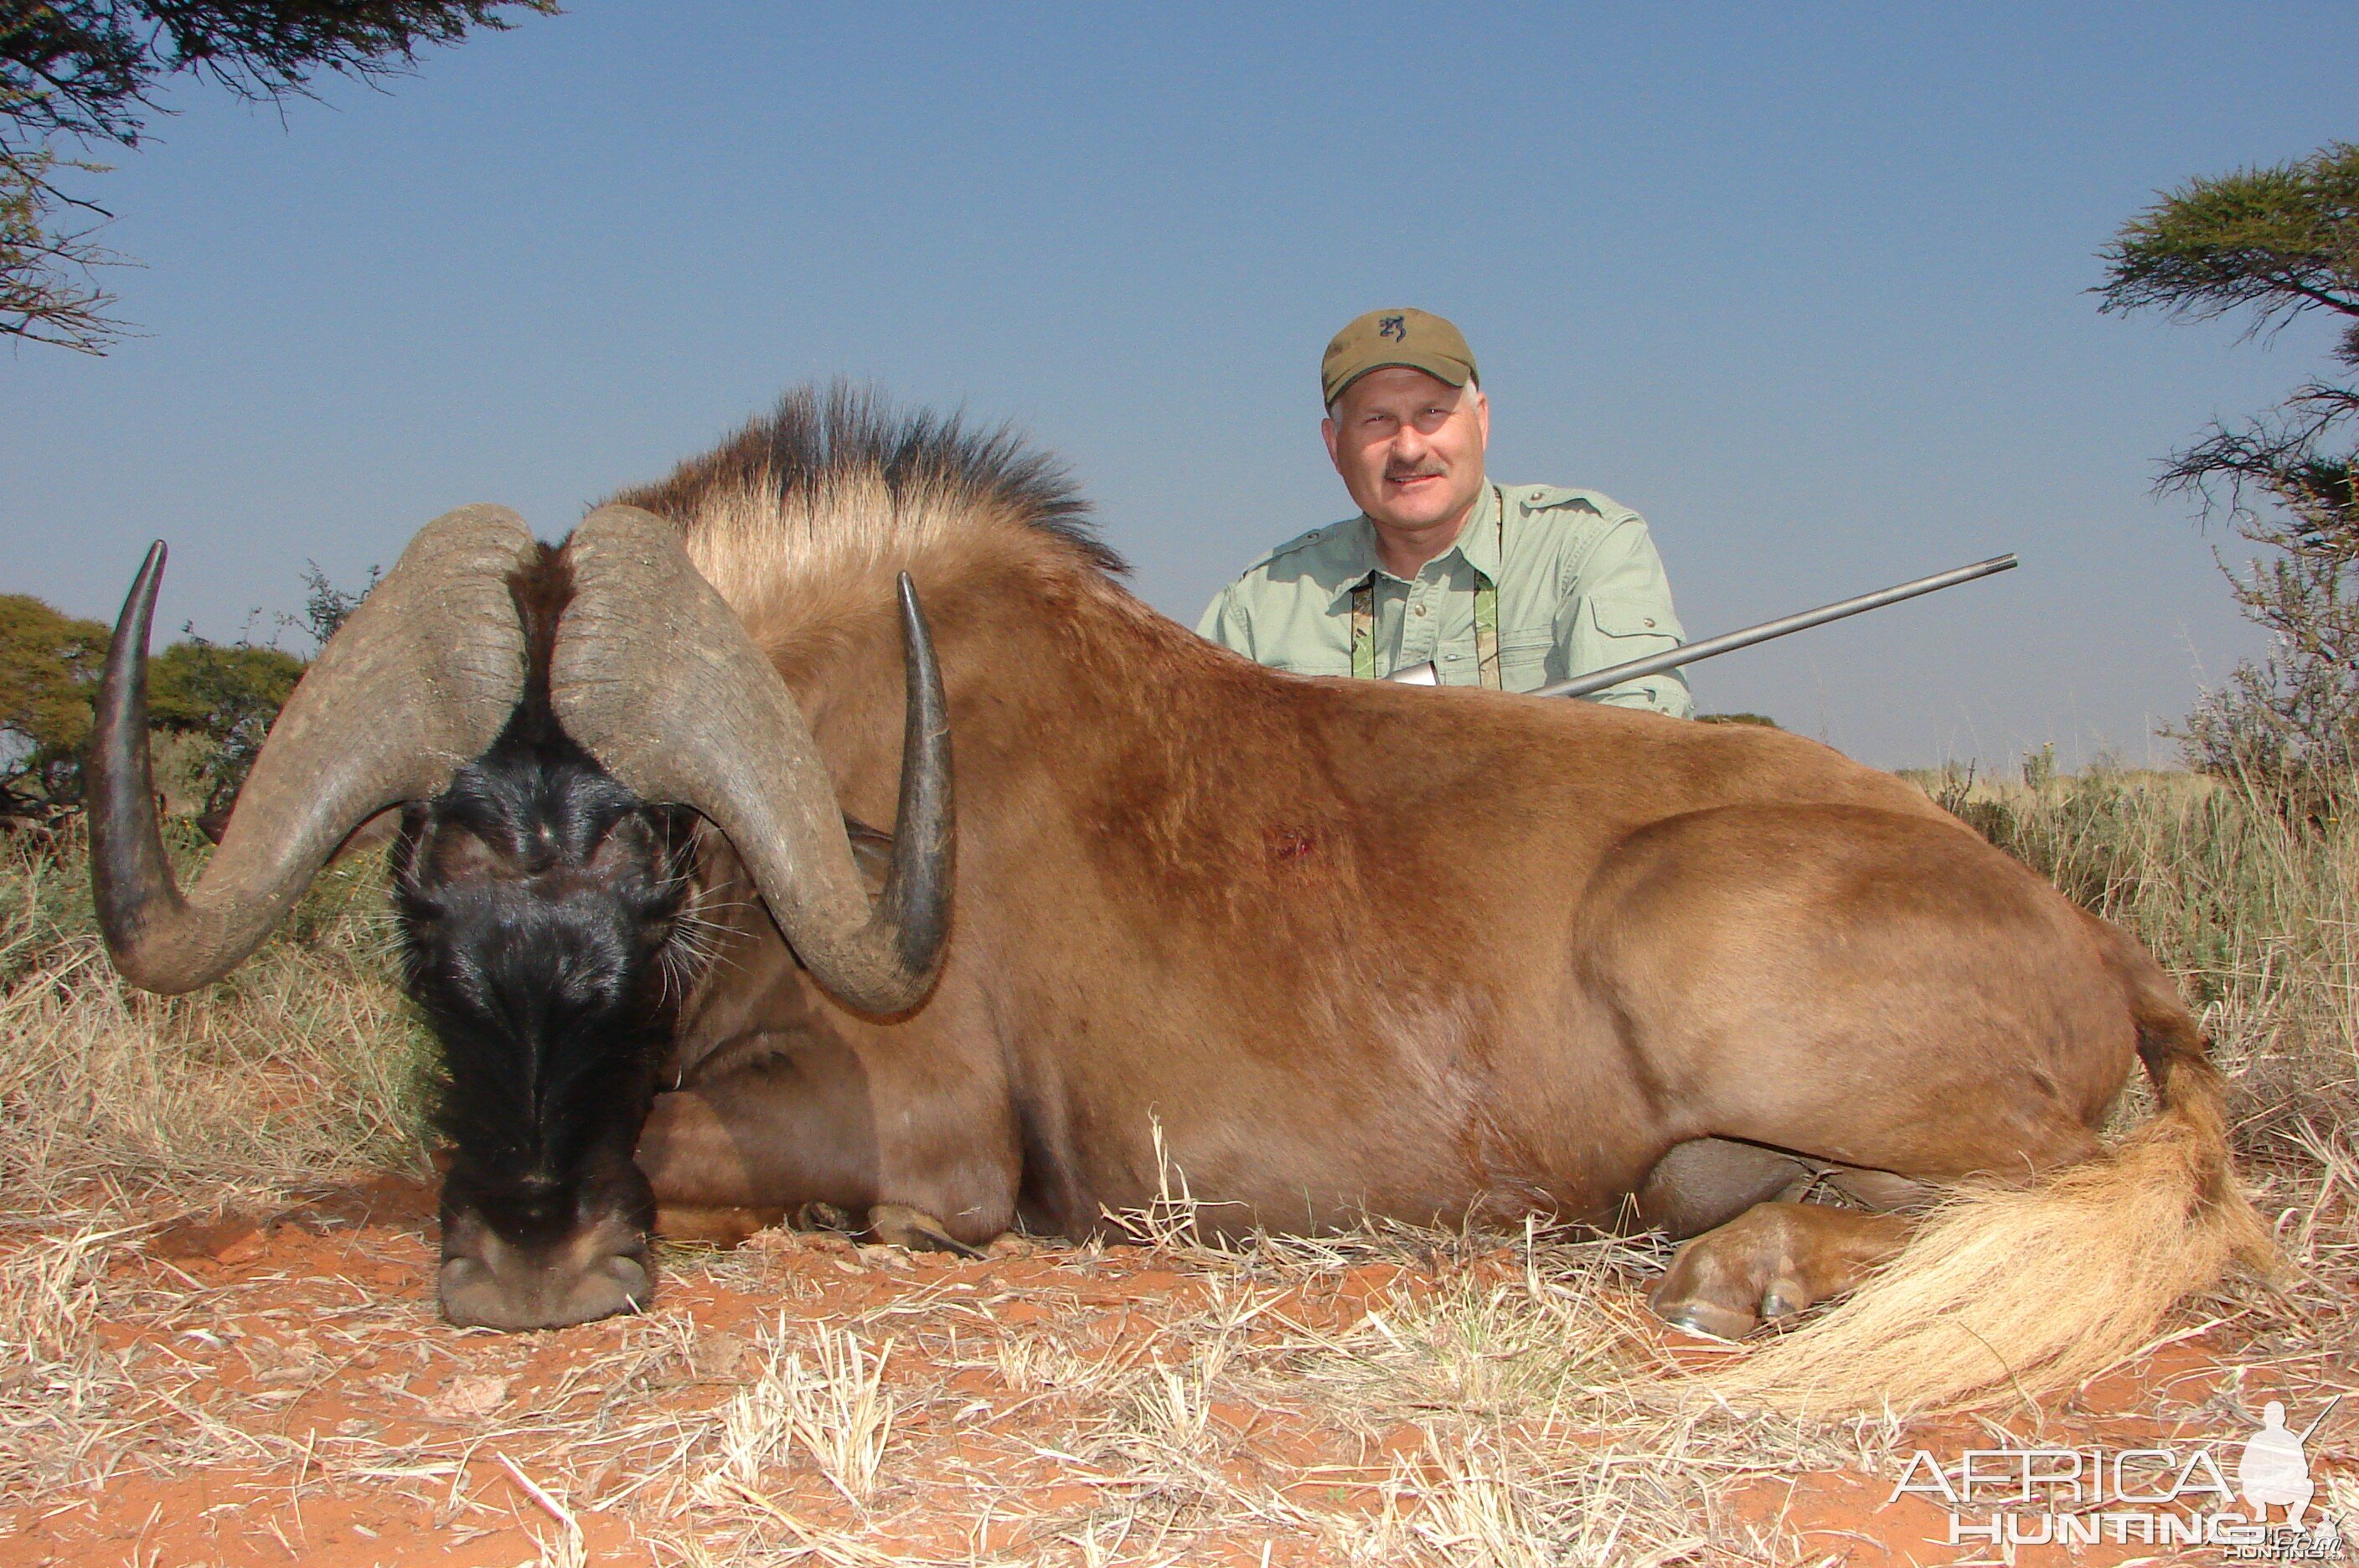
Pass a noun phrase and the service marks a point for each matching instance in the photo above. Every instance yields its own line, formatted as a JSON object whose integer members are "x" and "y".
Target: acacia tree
{"x": 86, "y": 73}
{"x": 223, "y": 696}
{"x": 49, "y": 665}
{"x": 228, "y": 695}
{"x": 2271, "y": 245}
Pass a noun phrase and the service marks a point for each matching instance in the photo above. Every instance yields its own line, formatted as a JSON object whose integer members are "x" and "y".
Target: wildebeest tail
{"x": 2002, "y": 1293}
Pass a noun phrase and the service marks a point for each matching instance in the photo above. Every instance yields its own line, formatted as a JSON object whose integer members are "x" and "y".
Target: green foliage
{"x": 223, "y": 696}
{"x": 49, "y": 666}
{"x": 326, "y": 607}
{"x": 2275, "y": 244}
{"x": 228, "y": 694}
{"x": 89, "y": 71}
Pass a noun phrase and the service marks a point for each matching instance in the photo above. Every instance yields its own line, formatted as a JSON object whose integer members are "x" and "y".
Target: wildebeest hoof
{"x": 1726, "y": 1281}
{"x": 1772, "y": 1261}
{"x": 1724, "y": 1317}
{"x": 824, "y": 1216}
{"x": 1707, "y": 1318}
{"x": 899, "y": 1224}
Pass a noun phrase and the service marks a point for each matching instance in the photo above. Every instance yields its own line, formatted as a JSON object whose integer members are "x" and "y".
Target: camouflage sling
{"x": 1363, "y": 629}
{"x": 1486, "y": 631}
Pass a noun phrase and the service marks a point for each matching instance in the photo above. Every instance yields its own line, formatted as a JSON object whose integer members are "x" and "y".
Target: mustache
{"x": 1421, "y": 471}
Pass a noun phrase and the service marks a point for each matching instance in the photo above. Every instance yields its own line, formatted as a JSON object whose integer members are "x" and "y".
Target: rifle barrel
{"x": 1728, "y": 642}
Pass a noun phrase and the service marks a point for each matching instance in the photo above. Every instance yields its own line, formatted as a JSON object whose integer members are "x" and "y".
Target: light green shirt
{"x": 1579, "y": 583}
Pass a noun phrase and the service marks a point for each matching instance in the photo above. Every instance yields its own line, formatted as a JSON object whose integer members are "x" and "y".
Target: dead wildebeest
{"x": 1360, "y": 950}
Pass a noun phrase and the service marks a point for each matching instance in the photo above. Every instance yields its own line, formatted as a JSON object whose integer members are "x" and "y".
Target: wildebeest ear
{"x": 872, "y": 852}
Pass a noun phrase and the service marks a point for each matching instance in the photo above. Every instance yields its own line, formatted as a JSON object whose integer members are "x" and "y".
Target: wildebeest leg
{"x": 1706, "y": 1181}
{"x": 723, "y": 1224}
{"x": 899, "y": 1224}
{"x": 797, "y": 1121}
{"x": 1771, "y": 1261}
{"x": 1756, "y": 1256}
{"x": 1873, "y": 994}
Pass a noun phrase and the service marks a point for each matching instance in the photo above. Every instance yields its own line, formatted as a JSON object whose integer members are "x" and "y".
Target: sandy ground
{"x": 276, "y": 1387}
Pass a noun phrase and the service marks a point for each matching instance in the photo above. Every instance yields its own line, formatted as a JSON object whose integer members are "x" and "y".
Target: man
{"x": 1511, "y": 586}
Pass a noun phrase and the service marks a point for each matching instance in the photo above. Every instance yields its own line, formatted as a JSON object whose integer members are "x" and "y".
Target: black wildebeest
{"x": 1360, "y": 950}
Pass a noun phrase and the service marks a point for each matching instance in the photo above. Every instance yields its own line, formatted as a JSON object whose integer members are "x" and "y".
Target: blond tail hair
{"x": 2001, "y": 1294}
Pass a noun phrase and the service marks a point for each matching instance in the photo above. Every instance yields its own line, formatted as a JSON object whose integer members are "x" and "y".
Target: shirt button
{"x": 1420, "y": 610}
{"x": 1650, "y": 620}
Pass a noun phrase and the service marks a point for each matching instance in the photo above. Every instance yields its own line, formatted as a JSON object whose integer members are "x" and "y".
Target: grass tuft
{"x": 304, "y": 1064}
{"x": 836, "y": 1410}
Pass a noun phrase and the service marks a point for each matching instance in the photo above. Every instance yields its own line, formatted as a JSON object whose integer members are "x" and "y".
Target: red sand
{"x": 312, "y": 1333}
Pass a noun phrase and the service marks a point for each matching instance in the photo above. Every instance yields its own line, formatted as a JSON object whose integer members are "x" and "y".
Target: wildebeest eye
{"x": 458, "y": 853}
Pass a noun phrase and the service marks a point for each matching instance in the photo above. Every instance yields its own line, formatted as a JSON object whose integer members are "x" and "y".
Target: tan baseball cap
{"x": 1419, "y": 339}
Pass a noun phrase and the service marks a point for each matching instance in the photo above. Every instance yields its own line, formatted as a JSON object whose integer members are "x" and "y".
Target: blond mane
{"x": 802, "y": 519}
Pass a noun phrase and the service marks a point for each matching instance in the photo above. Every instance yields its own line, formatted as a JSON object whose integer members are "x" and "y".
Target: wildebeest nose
{"x": 491, "y": 1284}
{"x": 476, "y": 1295}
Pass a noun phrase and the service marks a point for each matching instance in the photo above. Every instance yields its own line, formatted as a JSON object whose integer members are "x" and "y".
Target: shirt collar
{"x": 1477, "y": 544}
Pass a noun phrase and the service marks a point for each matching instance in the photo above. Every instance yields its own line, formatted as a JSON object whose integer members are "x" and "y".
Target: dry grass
{"x": 1388, "y": 1397}
{"x": 118, "y": 1110}
{"x": 304, "y": 1063}
{"x": 836, "y": 1411}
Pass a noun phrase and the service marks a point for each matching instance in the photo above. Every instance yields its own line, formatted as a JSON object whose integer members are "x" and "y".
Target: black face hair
{"x": 539, "y": 902}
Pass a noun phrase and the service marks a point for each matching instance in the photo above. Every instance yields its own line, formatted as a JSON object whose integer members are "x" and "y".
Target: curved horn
{"x": 418, "y": 681}
{"x": 655, "y": 675}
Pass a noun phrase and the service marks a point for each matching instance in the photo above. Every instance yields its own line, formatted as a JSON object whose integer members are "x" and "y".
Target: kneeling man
{"x": 1510, "y": 586}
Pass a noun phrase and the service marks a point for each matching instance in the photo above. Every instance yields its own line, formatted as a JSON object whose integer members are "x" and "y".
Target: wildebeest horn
{"x": 655, "y": 675}
{"x": 419, "y": 680}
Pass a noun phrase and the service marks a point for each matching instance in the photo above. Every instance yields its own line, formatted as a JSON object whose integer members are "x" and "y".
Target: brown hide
{"x": 1359, "y": 949}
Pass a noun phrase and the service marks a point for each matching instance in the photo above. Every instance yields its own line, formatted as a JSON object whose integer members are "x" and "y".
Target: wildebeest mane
{"x": 816, "y": 443}
{"x": 806, "y": 512}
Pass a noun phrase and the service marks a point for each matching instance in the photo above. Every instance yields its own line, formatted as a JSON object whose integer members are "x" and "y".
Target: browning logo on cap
{"x": 1419, "y": 339}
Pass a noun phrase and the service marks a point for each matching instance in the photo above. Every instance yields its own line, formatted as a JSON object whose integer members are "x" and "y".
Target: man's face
{"x": 1409, "y": 447}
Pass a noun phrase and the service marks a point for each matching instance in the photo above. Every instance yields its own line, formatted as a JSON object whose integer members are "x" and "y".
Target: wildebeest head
{"x": 553, "y": 721}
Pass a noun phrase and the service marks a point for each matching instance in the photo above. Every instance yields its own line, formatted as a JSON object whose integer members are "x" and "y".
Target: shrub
{"x": 49, "y": 668}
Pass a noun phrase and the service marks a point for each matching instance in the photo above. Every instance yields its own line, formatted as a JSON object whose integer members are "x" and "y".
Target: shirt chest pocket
{"x": 1628, "y": 618}
{"x": 1616, "y": 631}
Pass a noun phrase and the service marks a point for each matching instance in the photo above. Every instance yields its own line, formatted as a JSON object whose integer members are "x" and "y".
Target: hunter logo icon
{"x": 1395, "y": 328}
{"x": 2274, "y": 1469}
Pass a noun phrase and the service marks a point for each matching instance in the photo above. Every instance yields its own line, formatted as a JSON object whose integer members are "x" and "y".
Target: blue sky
{"x": 1806, "y": 284}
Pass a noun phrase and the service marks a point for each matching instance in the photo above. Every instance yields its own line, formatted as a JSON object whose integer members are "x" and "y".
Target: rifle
{"x": 1728, "y": 642}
